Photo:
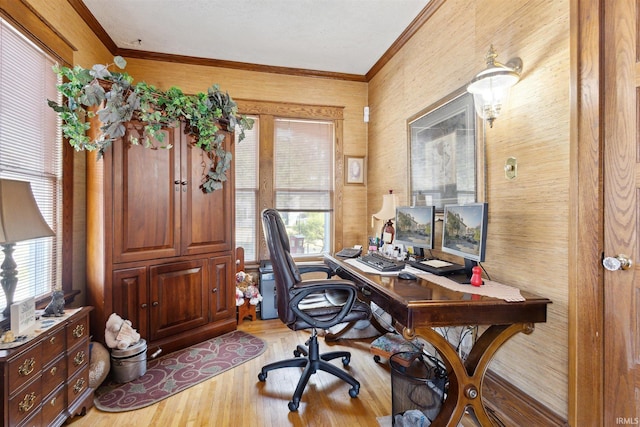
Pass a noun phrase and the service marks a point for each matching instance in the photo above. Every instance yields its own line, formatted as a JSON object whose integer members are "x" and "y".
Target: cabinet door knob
{"x": 144, "y": 305}
{"x": 155, "y": 303}
{"x": 214, "y": 290}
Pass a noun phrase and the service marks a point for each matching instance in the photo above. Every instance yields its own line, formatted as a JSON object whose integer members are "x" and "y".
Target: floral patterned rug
{"x": 174, "y": 372}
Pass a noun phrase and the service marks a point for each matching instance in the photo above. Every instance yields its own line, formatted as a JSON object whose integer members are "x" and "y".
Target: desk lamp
{"x": 386, "y": 214}
{"x": 20, "y": 219}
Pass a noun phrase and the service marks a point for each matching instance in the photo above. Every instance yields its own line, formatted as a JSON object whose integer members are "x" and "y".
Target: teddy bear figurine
{"x": 119, "y": 334}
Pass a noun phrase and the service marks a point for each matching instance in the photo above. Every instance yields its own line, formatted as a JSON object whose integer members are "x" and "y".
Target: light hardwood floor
{"x": 236, "y": 398}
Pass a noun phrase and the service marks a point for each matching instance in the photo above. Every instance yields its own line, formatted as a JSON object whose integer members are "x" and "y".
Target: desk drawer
{"x": 78, "y": 357}
{"x": 54, "y": 405}
{"x": 54, "y": 375}
{"x": 53, "y": 346}
{"x": 77, "y": 385}
{"x": 25, "y": 367}
{"x": 25, "y": 403}
{"x": 77, "y": 331}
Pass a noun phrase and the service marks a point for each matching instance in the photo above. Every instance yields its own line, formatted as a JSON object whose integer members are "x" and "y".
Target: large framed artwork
{"x": 444, "y": 153}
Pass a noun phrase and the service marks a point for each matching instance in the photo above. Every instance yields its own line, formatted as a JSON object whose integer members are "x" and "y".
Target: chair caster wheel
{"x": 345, "y": 361}
{"x": 376, "y": 358}
{"x": 296, "y": 353}
{"x": 262, "y": 376}
{"x": 353, "y": 392}
{"x": 293, "y": 406}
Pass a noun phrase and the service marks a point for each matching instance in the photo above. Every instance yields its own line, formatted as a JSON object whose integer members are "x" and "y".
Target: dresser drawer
{"x": 53, "y": 375}
{"x": 53, "y": 346}
{"x": 77, "y": 385}
{"x": 25, "y": 367}
{"x": 77, "y": 358}
{"x": 54, "y": 405}
{"x": 25, "y": 402}
{"x": 77, "y": 331}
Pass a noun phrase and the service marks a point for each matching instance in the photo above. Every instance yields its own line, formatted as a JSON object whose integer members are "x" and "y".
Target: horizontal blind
{"x": 246, "y": 179}
{"x": 303, "y": 165}
{"x": 30, "y": 150}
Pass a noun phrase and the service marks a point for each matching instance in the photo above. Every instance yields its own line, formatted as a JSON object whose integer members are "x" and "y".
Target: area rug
{"x": 177, "y": 371}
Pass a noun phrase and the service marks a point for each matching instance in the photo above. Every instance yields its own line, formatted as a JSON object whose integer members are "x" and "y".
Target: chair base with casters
{"x": 313, "y": 362}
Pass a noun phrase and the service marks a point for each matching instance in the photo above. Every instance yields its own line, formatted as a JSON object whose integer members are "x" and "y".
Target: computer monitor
{"x": 464, "y": 232}
{"x": 414, "y": 226}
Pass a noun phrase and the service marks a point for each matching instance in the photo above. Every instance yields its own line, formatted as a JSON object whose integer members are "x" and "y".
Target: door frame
{"x": 586, "y": 220}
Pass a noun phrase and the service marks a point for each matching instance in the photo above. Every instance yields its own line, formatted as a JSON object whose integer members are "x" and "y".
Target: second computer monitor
{"x": 414, "y": 226}
{"x": 464, "y": 231}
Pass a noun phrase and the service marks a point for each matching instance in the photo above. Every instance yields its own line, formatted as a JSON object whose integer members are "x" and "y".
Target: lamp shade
{"x": 388, "y": 210}
{"x": 20, "y": 217}
{"x": 490, "y": 89}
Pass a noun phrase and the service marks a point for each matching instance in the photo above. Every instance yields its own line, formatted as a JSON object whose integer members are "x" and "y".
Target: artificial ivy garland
{"x": 85, "y": 88}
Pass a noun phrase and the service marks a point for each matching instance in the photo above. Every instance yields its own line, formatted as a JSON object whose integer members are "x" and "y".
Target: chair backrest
{"x": 285, "y": 272}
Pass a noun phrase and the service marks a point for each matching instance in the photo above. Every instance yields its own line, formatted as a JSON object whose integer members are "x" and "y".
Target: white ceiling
{"x": 342, "y": 36}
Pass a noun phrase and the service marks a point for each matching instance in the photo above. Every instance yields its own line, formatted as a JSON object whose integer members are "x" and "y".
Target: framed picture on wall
{"x": 354, "y": 170}
{"x": 443, "y": 153}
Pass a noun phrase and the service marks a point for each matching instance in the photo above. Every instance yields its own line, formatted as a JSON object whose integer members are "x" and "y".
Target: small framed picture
{"x": 354, "y": 173}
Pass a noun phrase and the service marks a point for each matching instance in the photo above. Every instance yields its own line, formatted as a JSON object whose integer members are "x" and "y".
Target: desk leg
{"x": 466, "y": 377}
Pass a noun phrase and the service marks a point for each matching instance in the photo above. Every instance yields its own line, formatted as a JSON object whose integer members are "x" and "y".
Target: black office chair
{"x": 309, "y": 304}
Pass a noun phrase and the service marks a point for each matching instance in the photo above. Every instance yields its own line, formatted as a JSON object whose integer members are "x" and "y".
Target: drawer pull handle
{"x": 53, "y": 371}
{"x": 78, "y": 331}
{"x": 366, "y": 292}
{"x": 79, "y": 385}
{"x": 27, "y": 367}
{"x": 52, "y": 340}
{"x": 27, "y": 402}
{"x": 79, "y": 359}
{"x": 52, "y": 402}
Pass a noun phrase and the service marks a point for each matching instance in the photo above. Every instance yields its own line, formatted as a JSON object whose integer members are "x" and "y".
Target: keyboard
{"x": 438, "y": 267}
{"x": 380, "y": 262}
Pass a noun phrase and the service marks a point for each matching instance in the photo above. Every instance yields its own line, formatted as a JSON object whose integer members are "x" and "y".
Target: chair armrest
{"x": 311, "y": 268}
{"x": 305, "y": 288}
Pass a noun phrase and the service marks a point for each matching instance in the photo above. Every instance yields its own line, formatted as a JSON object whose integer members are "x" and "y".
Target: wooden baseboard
{"x": 510, "y": 406}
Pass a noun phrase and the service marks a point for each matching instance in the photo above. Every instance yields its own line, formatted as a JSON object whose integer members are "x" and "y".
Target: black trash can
{"x": 418, "y": 388}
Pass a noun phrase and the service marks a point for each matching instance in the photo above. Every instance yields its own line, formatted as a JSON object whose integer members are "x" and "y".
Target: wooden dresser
{"x": 46, "y": 380}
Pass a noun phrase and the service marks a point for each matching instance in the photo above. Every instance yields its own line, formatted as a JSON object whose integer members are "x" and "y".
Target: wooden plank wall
{"x": 528, "y": 216}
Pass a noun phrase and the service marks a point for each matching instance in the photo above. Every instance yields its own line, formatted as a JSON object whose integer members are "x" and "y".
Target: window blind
{"x": 30, "y": 150}
{"x": 303, "y": 165}
{"x": 247, "y": 160}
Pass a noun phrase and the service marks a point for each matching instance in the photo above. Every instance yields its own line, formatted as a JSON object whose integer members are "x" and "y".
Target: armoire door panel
{"x": 206, "y": 216}
{"x": 130, "y": 297}
{"x": 178, "y": 297}
{"x": 222, "y": 299}
{"x": 146, "y": 200}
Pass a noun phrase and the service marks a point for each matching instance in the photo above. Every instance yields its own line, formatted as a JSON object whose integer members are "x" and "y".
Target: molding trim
{"x": 509, "y": 406}
{"x": 100, "y": 32}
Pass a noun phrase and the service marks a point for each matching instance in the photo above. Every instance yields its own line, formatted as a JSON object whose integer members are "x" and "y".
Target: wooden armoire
{"x": 159, "y": 249}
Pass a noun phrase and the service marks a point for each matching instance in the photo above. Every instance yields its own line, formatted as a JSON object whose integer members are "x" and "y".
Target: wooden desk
{"x": 417, "y": 306}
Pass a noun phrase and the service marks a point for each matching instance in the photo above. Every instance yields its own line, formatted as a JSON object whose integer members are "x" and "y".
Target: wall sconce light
{"x": 490, "y": 87}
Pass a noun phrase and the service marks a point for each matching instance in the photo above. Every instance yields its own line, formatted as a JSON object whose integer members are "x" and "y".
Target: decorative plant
{"x": 120, "y": 101}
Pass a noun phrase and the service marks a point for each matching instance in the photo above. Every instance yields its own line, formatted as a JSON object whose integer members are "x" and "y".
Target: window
{"x": 303, "y": 179}
{"x": 290, "y": 167}
{"x": 246, "y": 167}
{"x": 31, "y": 150}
